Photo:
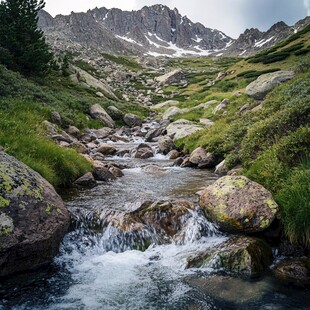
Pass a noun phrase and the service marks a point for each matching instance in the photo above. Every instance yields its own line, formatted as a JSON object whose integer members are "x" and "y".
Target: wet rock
{"x": 33, "y": 218}
{"x": 91, "y": 145}
{"x": 182, "y": 128}
{"x": 230, "y": 289}
{"x": 117, "y": 172}
{"x": 132, "y": 120}
{"x": 103, "y": 174}
{"x": 178, "y": 162}
{"x": 143, "y": 151}
{"x": 294, "y": 271}
{"x": 86, "y": 138}
{"x": 171, "y": 112}
{"x": 267, "y": 82}
{"x": 106, "y": 149}
{"x": 238, "y": 204}
{"x": 165, "y": 144}
{"x": 154, "y": 133}
{"x": 173, "y": 154}
{"x": 87, "y": 180}
{"x": 154, "y": 169}
{"x": 202, "y": 159}
{"x": 240, "y": 256}
{"x": 186, "y": 163}
{"x": 98, "y": 112}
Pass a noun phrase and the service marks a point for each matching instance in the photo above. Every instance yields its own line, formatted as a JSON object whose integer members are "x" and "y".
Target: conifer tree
{"x": 22, "y": 43}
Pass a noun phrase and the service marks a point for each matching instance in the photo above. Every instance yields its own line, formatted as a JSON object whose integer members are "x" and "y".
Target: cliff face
{"x": 154, "y": 30}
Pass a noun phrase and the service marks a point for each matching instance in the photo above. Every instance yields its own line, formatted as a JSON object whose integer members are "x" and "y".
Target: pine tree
{"x": 22, "y": 44}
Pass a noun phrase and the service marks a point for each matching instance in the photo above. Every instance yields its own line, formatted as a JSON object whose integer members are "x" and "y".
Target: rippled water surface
{"x": 88, "y": 275}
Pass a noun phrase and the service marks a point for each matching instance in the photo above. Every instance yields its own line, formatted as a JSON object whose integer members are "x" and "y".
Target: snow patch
{"x": 242, "y": 53}
{"x": 106, "y": 16}
{"x": 198, "y": 40}
{"x": 262, "y": 42}
{"x": 128, "y": 40}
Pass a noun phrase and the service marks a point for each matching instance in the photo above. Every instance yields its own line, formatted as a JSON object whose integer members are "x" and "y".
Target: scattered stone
{"x": 106, "y": 149}
{"x": 165, "y": 144}
{"x": 207, "y": 122}
{"x": 98, "y": 112}
{"x": 221, "y": 168}
{"x": 103, "y": 133}
{"x": 155, "y": 133}
{"x": 182, "y": 128}
{"x": 115, "y": 113}
{"x": 267, "y": 82}
{"x": 221, "y": 107}
{"x": 202, "y": 159}
{"x": 186, "y": 163}
{"x": 74, "y": 132}
{"x": 173, "y": 154}
{"x": 103, "y": 174}
{"x": 166, "y": 104}
{"x": 87, "y": 180}
{"x": 132, "y": 120}
{"x": 91, "y": 145}
{"x": 244, "y": 108}
{"x": 143, "y": 151}
{"x": 51, "y": 129}
{"x": 116, "y": 172}
{"x": 56, "y": 118}
{"x": 33, "y": 218}
{"x": 178, "y": 162}
{"x": 175, "y": 76}
{"x": 171, "y": 112}
{"x": 204, "y": 105}
{"x": 238, "y": 204}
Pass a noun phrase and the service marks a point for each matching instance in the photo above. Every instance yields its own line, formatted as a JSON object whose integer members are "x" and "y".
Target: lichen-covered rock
{"x": 240, "y": 255}
{"x": 295, "y": 270}
{"x": 267, "y": 82}
{"x": 98, "y": 112}
{"x": 33, "y": 219}
{"x": 238, "y": 204}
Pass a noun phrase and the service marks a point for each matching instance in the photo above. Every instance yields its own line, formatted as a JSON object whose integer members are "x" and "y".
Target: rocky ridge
{"x": 156, "y": 31}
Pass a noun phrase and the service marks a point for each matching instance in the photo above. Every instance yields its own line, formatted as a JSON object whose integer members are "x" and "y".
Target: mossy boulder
{"x": 33, "y": 219}
{"x": 240, "y": 255}
{"x": 238, "y": 204}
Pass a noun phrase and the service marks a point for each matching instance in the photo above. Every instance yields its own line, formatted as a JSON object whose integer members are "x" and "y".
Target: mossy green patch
{"x": 4, "y": 202}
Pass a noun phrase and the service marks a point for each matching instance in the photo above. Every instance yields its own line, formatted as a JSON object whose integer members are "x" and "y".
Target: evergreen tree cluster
{"x": 22, "y": 45}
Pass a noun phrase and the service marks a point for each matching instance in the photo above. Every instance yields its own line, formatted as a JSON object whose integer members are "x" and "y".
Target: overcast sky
{"x": 229, "y": 16}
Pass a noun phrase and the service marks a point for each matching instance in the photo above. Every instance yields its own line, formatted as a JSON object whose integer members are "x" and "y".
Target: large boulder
{"x": 238, "y": 204}
{"x": 267, "y": 82}
{"x": 171, "y": 112}
{"x": 132, "y": 120}
{"x": 240, "y": 255}
{"x": 174, "y": 76}
{"x": 86, "y": 180}
{"x": 182, "y": 128}
{"x": 106, "y": 149}
{"x": 98, "y": 112}
{"x": 33, "y": 218}
{"x": 165, "y": 105}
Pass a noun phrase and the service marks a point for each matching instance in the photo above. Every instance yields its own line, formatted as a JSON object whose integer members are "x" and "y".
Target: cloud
{"x": 307, "y": 6}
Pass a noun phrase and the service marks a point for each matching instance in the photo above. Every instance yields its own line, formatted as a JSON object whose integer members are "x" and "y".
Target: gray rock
{"x": 182, "y": 128}
{"x": 173, "y": 154}
{"x": 33, "y": 218}
{"x": 267, "y": 82}
{"x": 106, "y": 149}
{"x": 143, "y": 151}
{"x": 117, "y": 172}
{"x": 165, "y": 105}
{"x": 201, "y": 158}
{"x": 171, "y": 112}
{"x": 165, "y": 144}
{"x": 174, "y": 76}
{"x": 155, "y": 133}
{"x": 207, "y": 122}
{"x": 56, "y": 118}
{"x": 115, "y": 113}
{"x": 132, "y": 120}
{"x": 98, "y": 112}
{"x": 221, "y": 168}
{"x": 103, "y": 133}
{"x": 103, "y": 174}
{"x": 74, "y": 132}
{"x": 87, "y": 180}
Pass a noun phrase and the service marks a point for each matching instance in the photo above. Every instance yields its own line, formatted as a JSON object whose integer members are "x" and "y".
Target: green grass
{"x": 125, "y": 61}
{"x": 21, "y": 135}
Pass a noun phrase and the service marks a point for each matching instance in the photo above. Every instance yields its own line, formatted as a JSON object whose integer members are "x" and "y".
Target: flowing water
{"x": 98, "y": 268}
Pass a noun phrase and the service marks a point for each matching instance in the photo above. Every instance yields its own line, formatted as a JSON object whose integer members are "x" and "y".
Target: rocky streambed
{"x": 141, "y": 238}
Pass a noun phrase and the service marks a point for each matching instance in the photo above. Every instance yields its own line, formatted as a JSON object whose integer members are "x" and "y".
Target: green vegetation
{"x": 22, "y": 44}
{"x": 127, "y": 62}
